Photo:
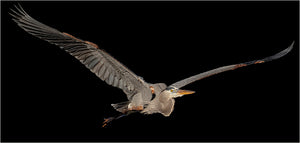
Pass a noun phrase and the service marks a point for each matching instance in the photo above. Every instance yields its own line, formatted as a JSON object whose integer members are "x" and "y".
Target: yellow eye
{"x": 171, "y": 90}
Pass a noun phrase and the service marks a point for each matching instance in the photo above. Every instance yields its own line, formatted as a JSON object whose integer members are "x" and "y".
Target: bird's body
{"x": 162, "y": 103}
{"x": 143, "y": 97}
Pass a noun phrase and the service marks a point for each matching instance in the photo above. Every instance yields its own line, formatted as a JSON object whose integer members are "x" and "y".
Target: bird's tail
{"x": 121, "y": 107}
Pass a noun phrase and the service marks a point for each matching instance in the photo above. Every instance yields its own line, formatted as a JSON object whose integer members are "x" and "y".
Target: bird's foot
{"x": 110, "y": 119}
{"x": 107, "y": 121}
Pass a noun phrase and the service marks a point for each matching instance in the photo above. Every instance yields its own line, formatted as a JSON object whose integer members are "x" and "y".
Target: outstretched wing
{"x": 99, "y": 62}
{"x": 194, "y": 78}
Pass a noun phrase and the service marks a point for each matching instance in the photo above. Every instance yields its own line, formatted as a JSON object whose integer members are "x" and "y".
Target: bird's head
{"x": 176, "y": 92}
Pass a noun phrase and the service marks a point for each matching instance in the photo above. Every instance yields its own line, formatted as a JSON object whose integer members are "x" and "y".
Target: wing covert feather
{"x": 200, "y": 76}
{"x": 99, "y": 62}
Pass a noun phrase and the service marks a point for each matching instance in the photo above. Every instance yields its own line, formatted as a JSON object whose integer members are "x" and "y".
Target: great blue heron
{"x": 142, "y": 97}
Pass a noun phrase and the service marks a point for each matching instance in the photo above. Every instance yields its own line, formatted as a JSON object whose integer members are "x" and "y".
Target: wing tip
{"x": 290, "y": 47}
{"x": 283, "y": 52}
{"x": 274, "y": 57}
{"x": 17, "y": 12}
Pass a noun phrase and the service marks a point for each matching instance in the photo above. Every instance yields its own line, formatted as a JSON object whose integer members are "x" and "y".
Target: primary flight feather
{"x": 139, "y": 93}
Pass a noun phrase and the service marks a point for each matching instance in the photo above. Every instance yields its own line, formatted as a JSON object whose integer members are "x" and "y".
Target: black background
{"x": 47, "y": 95}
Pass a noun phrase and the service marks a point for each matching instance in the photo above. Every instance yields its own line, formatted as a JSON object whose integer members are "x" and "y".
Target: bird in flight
{"x": 143, "y": 97}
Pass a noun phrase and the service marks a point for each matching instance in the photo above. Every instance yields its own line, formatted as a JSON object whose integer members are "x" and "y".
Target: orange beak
{"x": 185, "y": 92}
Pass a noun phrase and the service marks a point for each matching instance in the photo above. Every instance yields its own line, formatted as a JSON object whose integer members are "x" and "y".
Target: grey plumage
{"x": 194, "y": 78}
{"x": 163, "y": 103}
{"x": 142, "y": 96}
{"x": 99, "y": 62}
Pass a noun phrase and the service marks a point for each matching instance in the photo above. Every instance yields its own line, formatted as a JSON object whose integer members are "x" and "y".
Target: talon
{"x": 107, "y": 120}
{"x": 104, "y": 125}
